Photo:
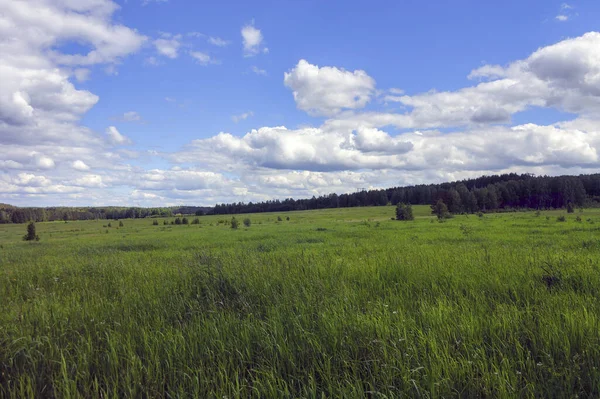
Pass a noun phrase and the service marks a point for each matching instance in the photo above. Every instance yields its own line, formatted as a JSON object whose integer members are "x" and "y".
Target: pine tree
{"x": 31, "y": 235}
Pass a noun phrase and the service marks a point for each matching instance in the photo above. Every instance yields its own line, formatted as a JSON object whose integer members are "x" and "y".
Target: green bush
{"x": 185, "y": 221}
{"x": 247, "y": 222}
{"x": 235, "y": 223}
{"x": 404, "y": 212}
{"x": 196, "y": 221}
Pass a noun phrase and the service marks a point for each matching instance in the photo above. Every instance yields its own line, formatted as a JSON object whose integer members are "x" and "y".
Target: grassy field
{"x": 331, "y": 303}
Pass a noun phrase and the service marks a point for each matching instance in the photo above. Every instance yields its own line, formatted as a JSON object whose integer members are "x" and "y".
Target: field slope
{"x": 336, "y": 303}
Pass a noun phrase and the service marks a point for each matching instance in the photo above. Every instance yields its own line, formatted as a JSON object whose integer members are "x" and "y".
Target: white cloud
{"x": 168, "y": 45}
{"x": 82, "y": 74}
{"x": 80, "y": 165}
{"x": 566, "y": 13}
{"x": 328, "y": 90}
{"x": 115, "y": 137}
{"x": 259, "y": 71}
{"x": 88, "y": 181}
{"x": 241, "y": 117}
{"x": 217, "y": 41}
{"x": 203, "y": 58}
{"x": 253, "y": 41}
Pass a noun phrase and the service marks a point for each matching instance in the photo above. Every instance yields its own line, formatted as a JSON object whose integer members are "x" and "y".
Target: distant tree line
{"x": 12, "y": 214}
{"x": 486, "y": 193}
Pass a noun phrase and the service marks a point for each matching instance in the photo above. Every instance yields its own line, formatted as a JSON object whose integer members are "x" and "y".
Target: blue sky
{"x": 147, "y": 103}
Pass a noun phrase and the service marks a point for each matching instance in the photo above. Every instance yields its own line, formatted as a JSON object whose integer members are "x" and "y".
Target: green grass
{"x": 335, "y": 303}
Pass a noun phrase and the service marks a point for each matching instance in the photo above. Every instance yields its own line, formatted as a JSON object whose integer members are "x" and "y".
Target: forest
{"x": 486, "y": 194}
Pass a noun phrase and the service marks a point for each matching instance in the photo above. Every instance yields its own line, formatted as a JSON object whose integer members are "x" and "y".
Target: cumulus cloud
{"x": 115, "y": 137}
{"x": 80, "y": 165}
{"x": 38, "y": 102}
{"x": 203, "y": 58}
{"x": 328, "y": 90}
{"x": 168, "y": 45}
{"x": 253, "y": 41}
{"x": 563, "y": 76}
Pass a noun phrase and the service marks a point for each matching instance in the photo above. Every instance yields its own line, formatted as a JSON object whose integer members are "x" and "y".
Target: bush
{"x": 570, "y": 208}
{"x": 287, "y": 218}
{"x": 155, "y": 222}
{"x": 165, "y": 222}
{"x": 404, "y": 212}
{"x": 31, "y": 236}
{"x": 279, "y": 219}
{"x": 578, "y": 219}
{"x": 440, "y": 209}
{"x": 480, "y": 214}
{"x": 177, "y": 220}
{"x": 235, "y": 223}
{"x": 247, "y": 222}
{"x": 120, "y": 223}
{"x": 109, "y": 225}
{"x": 185, "y": 221}
{"x": 196, "y": 221}
{"x": 561, "y": 218}
{"x": 537, "y": 213}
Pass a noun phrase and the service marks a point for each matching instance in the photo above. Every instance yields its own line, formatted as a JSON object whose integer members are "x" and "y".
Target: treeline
{"x": 12, "y": 214}
{"x": 486, "y": 193}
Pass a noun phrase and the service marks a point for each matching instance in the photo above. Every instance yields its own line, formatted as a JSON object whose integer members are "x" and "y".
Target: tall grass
{"x": 342, "y": 303}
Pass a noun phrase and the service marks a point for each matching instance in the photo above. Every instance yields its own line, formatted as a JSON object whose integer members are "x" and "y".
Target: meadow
{"x": 330, "y": 303}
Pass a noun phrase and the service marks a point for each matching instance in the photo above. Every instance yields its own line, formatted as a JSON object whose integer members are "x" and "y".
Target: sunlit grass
{"x": 344, "y": 303}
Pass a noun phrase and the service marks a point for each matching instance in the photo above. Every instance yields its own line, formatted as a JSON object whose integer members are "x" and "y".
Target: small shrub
{"x": 109, "y": 225}
{"x": 480, "y": 214}
{"x": 287, "y": 218}
{"x": 279, "y": 219}
{"x": 185, "y": 221}
{"x": 155, "y": 222}
{"x": 120, "y": 223}
{"x": 106, "y": 231}
{"x": 31, "y": 235}
{"x": 247, "y": 222}
{"x": 196, "y": 221}
{"x": 538, "y": 213}
{"x": 178, "y": 221}
{"x": 404, "y": 212}
{"x": 234, "y": 223}
{"x": 561, "y": 218}
{"x": 578, "y": 219}
{"x": 165, "y": 222}
{"x": 440, "y": 209}
{"x": 570, "y": 208}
